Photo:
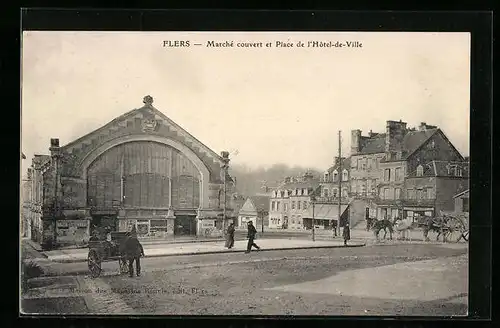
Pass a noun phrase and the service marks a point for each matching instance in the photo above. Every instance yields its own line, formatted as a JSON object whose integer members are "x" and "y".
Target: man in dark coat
{"x": 346, "y": 233}
{"x": 251, "y": 236}
{"x": 133, "y": 251}
{"x": 230, "y": 236}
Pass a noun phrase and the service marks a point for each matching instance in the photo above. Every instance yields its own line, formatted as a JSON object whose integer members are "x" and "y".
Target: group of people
{"x": 346, "y": 234}
{"x": 250, "y": 235}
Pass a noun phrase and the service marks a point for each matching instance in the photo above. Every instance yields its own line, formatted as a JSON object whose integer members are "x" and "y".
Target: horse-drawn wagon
{"x": 105, "y": 251}
{"x": 453, "y": 227}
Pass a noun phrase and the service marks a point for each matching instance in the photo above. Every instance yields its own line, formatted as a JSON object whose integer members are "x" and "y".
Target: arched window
{"x": 420, "y": 171}
{"x": 335, "y": 175}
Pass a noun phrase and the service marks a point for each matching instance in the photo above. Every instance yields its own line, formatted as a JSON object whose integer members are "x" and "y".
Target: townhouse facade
{"x": 382, "y": 165}
{"x": 326, "y": 204}
{"x": 290, "y": 201}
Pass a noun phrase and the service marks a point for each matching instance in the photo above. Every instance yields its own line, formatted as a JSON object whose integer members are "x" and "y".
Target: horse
{"x": 403, "y": 227}
{"x": 431, "y": 224}
{"x": 384, "y": 224}
{"x": 369, "y": 223}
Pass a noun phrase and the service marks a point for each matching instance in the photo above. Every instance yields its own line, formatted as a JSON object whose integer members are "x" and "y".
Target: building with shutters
{"x": 385, "y": 166}
{"x": 290, "y": 201}
{"x": 142, "y": 170}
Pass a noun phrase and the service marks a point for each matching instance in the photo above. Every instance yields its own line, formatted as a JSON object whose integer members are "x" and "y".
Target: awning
{"x": 418, "y": 209}
{"x": 325, "y": 211}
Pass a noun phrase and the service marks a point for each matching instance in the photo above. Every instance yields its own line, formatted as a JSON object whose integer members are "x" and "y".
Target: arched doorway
{"x": 143, "y": 176}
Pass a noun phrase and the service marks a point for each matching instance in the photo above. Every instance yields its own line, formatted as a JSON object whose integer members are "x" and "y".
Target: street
{"x": 405, "y": 279}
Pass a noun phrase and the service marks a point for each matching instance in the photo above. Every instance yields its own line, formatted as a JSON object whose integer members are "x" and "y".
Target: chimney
{"x": 424, "y": 126}
{"x": 355, "y": 141}
{"x": 394, "y": 134}
{"x": 54, "y": 147}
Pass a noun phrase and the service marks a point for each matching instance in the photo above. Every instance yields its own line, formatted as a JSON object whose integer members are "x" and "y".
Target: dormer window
{"x": 345, "y": 175}
{"x": 326, "y": 176}
{"x": 420, "y": 171}
{"x": 335, "y": 175}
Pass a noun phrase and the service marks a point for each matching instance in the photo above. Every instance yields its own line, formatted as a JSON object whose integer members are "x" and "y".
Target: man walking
{"x": 133, "y": 252}
{"x": 251, "y": 236}
{"x": 230, "y": 236}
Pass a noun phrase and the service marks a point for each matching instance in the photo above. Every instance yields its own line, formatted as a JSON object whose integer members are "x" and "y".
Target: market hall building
{"x": 142, "y": 170}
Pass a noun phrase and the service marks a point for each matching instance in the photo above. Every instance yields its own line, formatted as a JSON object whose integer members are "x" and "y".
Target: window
{"x": 344, "y": 192}
{"x": 345, "y": 175}
{"x": 465, "y": 204}
{"x": 459, "y": 172}
{"x": 325, "y": 193}
{"x": 369, "y": 164}
{"x": 411, "y": 194}
{"x": 304, "y": 192}
{"x": 298, "y": 205}
{"x": 397, "y": 174}
{"x": 397, "y": 193}
{"x": 387, "y": 174}
{"x": 420, "y": 171}
{"x": 305, "y": 205}
{"x": 277, "y": 206}
{"x": 429, "y": 193}
{"x": 420, "y": 194}
{"x": 335, "y": 191}
{"x": 369, "y": 185}
{"x": 293, "y": 192}
{"x": 386, "y": 193}
{"x": 285, "y": 207}
{"x": 335, "y": 175}
{"x": 359, "y": 163}
{"x": 293, "y": 205}
{"x": 363, "y": 164}
{"x": 272, "y": 206}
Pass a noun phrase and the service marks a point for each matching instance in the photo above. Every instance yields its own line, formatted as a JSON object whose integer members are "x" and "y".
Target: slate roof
{"x": 411, "y": 142}
{"x": 41, "y": 159}
{"x": 414, "y": 139}
{"x": 440, "y": 169}
{"x": 261, "y": 203}
{"x": 373, "y": 145}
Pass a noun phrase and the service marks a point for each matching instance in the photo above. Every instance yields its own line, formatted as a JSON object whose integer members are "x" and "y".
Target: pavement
{"x": 392, "y": 280}
{"x": 177, "y": 249}
{"x": 425, "y": 280}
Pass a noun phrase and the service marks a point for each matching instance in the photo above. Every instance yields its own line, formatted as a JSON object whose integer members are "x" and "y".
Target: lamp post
{"x": 225, "y": 166}
{"x": 313, "y": 199}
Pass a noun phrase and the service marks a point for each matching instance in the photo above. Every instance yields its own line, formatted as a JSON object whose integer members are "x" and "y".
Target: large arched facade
{"x": 141, "y": 170}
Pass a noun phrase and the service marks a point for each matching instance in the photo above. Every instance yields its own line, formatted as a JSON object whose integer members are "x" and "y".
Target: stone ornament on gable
{"x": 149, "y": 125}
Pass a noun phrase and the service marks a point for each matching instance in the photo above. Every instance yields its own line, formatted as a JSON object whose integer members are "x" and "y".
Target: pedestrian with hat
{"x": 251, "y": 236}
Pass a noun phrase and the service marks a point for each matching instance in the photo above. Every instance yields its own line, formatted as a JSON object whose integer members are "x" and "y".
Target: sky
{"x": 265, "y": 105}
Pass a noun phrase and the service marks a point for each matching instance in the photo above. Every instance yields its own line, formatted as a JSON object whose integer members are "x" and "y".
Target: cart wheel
{"x": 94, "y": 263}
{"x": 122, "y": 262}
{"x": 455, "y": 230}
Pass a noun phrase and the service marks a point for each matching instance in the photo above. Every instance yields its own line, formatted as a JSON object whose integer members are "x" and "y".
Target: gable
{"x": 248, "y": 206}
{"x": 145, "y": 121}
{"x": 439, "y": 147}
